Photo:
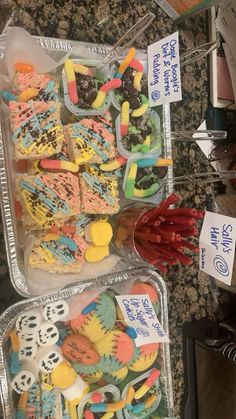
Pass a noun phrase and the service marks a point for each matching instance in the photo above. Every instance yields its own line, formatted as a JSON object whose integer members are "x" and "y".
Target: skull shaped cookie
{"x": 27, "y": 351}
{"x": 55, "y": 311}
{"x": 48, "y": 334}
{"x": 26, "y": 377}
{"x": 49, "y": 358}
{"x": 29, "y": 322}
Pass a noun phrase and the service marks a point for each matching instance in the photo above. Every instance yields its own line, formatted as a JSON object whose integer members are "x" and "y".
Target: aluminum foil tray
{"x": 14, "y": 252}
{"x": 8, "y": 319}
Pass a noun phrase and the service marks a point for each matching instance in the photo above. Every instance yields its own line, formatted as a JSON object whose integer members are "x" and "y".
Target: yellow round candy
{"x": 100, "y": 233}
{"x": 96, "y": 253}
{"x": 63, "y": 376}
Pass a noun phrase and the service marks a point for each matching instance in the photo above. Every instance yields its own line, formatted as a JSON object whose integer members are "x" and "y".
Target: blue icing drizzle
{"x": 96, "y": 185}
{"x": 64, "y": 207}
{"x": 68, "y": 243}
{"x": 93, "y": 134}
{"x": 32, "y": 190}
{"x": 59, "y": 253}
{"x": 92, "y": 145}
{"x": 48, "y": 403}
{"x": 34, "y": 125}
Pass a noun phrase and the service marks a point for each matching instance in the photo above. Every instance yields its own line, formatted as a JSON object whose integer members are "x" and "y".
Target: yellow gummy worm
{"x": 137, "y": 80}
{"x": 130, "y": 395}
{"x": 150, "y": 401}
{"x": 99, "y": 100}
{"x": 69, "y": 70}
{"x": 14, "y": 340}
{"x": 133, "y": 171}
{"x": 140, "y": 111}
{"x": 126, "y": 61}
{"x": 114, "y": 407}
{"x": 164, "y": 162}
{"x": 27, "y": 94}
{"x": 125, "y": 113}
{"x": 51, "y": 236}
{"x": 81, "y": 69}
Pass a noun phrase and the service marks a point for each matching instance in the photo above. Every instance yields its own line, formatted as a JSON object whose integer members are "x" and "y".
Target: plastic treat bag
{"x": 23, "y": 47}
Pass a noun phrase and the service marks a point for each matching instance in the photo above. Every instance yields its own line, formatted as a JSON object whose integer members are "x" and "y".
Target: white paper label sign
{"x": 164, "y": 81}
{"x": 139, "y": 313}
{"x": 217, "y": 246}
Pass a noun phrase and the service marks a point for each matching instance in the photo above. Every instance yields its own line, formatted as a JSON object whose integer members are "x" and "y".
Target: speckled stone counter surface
{"x": 189, "y": 291}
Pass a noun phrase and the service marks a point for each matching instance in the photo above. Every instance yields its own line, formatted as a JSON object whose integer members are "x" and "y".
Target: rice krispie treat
{"x": 90, "y": 141}
{"x": 36, "y": 129}
{"x": 47, "y": 199}
{"x": 99, "y": 192}
{"x": 47, "y": 87}
{"x": 58, "y": 250}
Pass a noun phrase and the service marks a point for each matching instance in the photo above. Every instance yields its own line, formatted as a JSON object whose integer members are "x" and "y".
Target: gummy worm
{"x": 155, "y": 374}
{"x": 136, "y": 65}
{"x": 113, "y": 165}
{"x": 107, "y": 407}
{"x": 125, "y": 63}
{"x": 154, "y": 162}
{"x": 104, "y": 89}
{"x": 23, "y": 67}
{"x": 143, "y": 108}
{"x": 59, "y": 165}
{"x": 137, "y": 80}
{"x": 129, "y": 187}
{"x": 145, "y": 193}
{"x": 145, "y": 147}
{"x": 124, "y": 123}
{"x": 81, "y": 69}
{"x": 27, "y": 94}
{"x": 70, "y": 75}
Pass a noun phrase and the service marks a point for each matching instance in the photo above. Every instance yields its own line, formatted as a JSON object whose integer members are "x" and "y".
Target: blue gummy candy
{"x": 89, "y": 308}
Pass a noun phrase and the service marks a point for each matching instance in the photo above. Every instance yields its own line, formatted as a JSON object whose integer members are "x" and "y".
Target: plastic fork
{"x": 188, "y": 135}
{"x": 198, "y": 53}
{"x": 138, "y": 28}
{"x": 199, "y": 178}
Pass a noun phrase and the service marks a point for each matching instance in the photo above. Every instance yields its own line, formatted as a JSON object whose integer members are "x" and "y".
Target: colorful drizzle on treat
{"x": 91, "y": 140}
{"x": 36, "y": 127}
{"x": 46, "y": 87}
{"x": 99, "y": 192}
{"x": 50, "y": 196}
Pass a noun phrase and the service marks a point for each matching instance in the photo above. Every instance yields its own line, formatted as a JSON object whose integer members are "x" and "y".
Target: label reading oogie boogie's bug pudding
{"x": 139, "y": 314}
{"x": 164, "y": 82}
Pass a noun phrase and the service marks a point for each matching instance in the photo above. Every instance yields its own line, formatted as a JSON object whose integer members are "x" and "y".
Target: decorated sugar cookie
{"x": 98, "y": 318}
{"x": 144, "y": 357}
{"x": 116, "y": 349}
{"x": 116, "y": 377}
{"x": 78, "y": 348}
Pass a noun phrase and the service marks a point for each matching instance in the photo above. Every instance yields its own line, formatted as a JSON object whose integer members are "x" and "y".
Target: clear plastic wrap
{"x": 27, "y": 282}
{"x": 82, "y": 293}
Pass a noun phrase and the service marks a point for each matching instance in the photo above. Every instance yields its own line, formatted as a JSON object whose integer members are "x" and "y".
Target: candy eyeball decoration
{"x": 27, "y": 351}
{"x": 29, "y": 322}
{"x": 55, "y": 311}
{"x": 49, "y": 358}
{"x": 48, "y": 334}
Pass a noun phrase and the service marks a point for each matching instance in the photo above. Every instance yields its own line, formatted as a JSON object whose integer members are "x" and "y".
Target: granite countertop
{"x": 189, "y": 290}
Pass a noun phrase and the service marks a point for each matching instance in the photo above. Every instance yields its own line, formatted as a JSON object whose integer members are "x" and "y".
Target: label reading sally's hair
{"x": 139, "y": 313}
{"x": 164, "y": 82}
